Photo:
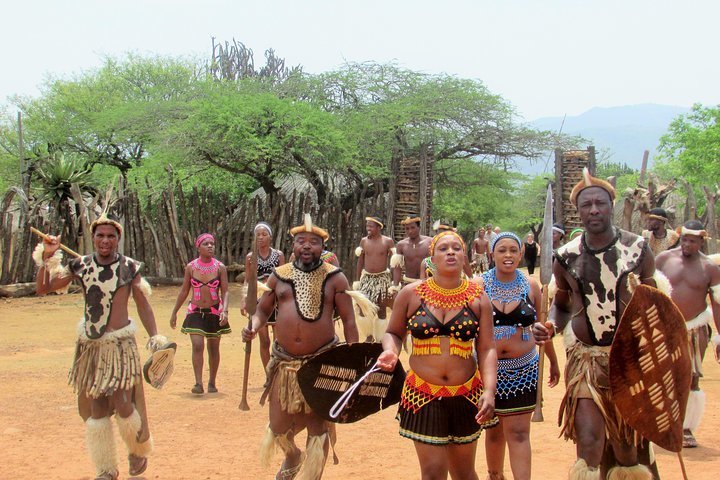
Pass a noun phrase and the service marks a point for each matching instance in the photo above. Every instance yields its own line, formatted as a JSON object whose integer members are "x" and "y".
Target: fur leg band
{"x": 694, "y": 410}
{"x": 129, "y": 429}
{"x": 270, "y": 442}
{"x": 636, "y": 472}
{"x": 316, "y": 456}
{"x": 101, "y": 444}
{"x": 581, "y": 471}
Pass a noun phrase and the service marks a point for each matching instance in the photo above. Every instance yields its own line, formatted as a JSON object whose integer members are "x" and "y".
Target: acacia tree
{"x": 109, "y": 116}
{"x": 240, "y": 128}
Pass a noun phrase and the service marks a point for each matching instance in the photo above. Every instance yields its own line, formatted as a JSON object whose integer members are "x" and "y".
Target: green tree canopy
{"x": 691, "y": 147}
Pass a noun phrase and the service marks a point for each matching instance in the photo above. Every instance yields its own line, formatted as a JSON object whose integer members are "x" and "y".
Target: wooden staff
{"x": 545, "y": 276}
{"x": 250, "y": 307}
{"x": 47, "y": 237}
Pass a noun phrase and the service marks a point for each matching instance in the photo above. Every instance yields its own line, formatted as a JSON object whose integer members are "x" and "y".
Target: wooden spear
{"x": 250, "y": 307}
{"x": 545, "y": 276}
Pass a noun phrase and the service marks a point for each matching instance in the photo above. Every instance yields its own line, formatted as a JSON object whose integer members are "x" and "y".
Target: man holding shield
{"x": 106, "y": 372}
{"x": 306, "y": 292}
{"x": 591, "y": 272}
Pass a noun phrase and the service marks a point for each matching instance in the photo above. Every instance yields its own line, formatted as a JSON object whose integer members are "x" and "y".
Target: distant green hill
{"x": 625, "y": 132}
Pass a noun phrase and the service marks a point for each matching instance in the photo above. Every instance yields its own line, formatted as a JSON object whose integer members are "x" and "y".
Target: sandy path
{"x": 207, "y": 437}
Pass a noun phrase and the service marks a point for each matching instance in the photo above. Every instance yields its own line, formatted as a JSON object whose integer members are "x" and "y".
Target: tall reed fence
{"x": 161, "y": 230}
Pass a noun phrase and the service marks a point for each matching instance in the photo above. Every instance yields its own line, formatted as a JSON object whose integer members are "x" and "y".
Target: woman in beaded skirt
{"x": 207, "y": 315}
{"x": 448, "y": 395}
{"x": 513, "y": 296}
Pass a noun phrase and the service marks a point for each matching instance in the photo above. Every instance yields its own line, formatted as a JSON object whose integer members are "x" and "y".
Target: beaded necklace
{"x": 434, "y": 295}
{"x": 505, "y": 292}
{"x": 206, "y": 268}
{"x": 266, "y": 265}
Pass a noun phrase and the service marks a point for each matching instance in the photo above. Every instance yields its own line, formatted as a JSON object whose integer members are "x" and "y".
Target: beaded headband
{"x": 263, "y": 225}
{"x": 437, "y": 237}
{"x": 502, "y": 235}
{"x": 202, "y": 237}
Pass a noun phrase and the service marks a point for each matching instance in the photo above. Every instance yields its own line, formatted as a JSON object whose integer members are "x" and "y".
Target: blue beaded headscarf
{"x": 502, "y": 235}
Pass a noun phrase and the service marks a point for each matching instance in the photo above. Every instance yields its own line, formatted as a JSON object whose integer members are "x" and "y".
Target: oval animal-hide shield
{"x": 326, "y": 377}
{"x": 159, "y": 367}
{"x": 650, "y": 367}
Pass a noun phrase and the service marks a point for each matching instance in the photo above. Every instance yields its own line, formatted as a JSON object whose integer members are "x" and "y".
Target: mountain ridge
{"x": 620, "y": 134}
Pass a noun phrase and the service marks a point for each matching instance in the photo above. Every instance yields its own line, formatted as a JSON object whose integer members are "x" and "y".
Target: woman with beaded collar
{"x": 448, "y": 396}
{"x": 267, "y": 259}
{"x": 513, "y": 296}
{"x": 207, "y": 315}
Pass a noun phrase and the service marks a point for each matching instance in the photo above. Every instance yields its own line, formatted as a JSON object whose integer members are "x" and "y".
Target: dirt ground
{"x": 207, "y": 437}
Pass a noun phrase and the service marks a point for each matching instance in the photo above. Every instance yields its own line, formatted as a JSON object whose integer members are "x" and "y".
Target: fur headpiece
{"x": 438, "y": 225}
{"x": 409, "y": 220}
{"x": 658, "y": 214}
{"x": 686, "y": 231}
{"x": 558, "y": 227}
{"x": 590, "y": 181}
{"x": 375, "y": 220}
{"x": 104, "y": 220}
{"x": 308, "y": 226}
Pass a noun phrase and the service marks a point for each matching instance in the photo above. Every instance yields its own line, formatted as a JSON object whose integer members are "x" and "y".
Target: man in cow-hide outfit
{"x": 591, "y": 272}
{"x": 106, "y": 373}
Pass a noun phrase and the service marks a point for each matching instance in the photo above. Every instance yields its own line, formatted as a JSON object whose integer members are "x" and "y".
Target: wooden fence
{"x": 161, "y": 230}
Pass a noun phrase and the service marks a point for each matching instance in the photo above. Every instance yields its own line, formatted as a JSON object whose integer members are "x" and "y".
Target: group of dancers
{"x": 473, "y": 335}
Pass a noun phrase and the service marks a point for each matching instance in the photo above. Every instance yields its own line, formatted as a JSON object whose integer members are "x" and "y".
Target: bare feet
{"x": 198, "y": 389}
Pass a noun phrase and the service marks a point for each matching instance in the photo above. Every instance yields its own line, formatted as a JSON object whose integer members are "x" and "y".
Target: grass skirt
{"x": 107, "y": 364}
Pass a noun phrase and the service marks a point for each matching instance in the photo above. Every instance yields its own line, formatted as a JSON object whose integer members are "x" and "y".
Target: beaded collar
{"x": 270, "y": 262}
{"x": 433, "y": 294}
{"x": 205, "y": 268}
{"x": 505, "y": 292}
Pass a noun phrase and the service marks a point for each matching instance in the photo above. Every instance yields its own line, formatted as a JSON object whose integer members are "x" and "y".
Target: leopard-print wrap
{"x": 308, "y": 287}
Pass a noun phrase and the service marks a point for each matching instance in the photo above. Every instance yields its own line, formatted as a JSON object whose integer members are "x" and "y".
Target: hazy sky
{"x": 547, "y": 58}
